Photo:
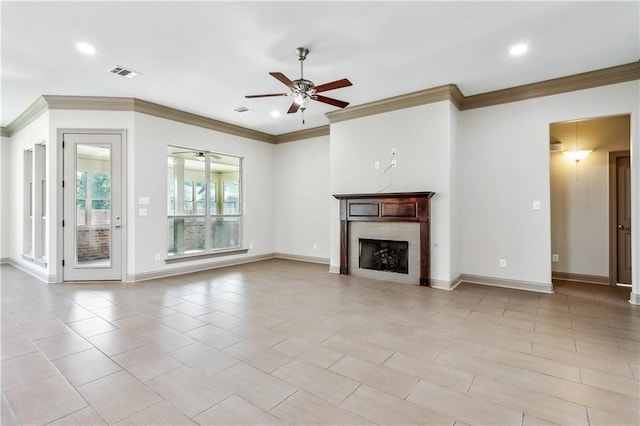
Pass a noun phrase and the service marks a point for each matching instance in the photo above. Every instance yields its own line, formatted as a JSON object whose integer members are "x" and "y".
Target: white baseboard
{"x": 634, "y": 298}
{"x": 5, "y": 260}
{"x": 310, "y": 259}
{"x": 334, "y": 269}
{"x": 506, "y": 283}
{"x": 187, "y": 269}
{"x": 32, "y": 269}
{"x": 445, "y": 285}
{"x": 584, "y": 278}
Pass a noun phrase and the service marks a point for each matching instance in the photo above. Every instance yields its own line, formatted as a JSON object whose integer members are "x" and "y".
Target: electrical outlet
{"x": 555, "y": 258}
{"x": 376, "y": 165}
{"x": 503, "y": 263}
{"x": 536, "y": 205}
{"x": 157, "y": 257}
{"x": 250, "y": 245}
{"x": 315, "y": 246}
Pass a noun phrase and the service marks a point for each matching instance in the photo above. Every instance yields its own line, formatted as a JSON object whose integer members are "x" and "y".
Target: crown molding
{"x": 555, "y": 86}
{"x": 4, "y": 132}
{"x": 162, "y": 111}
{"x": 302, "y": 134}
{"x": 422, "y": 97}
{"x": 93, "y": 103}
{"x": 34, "y": 111}
{"x": 450, "y": 92}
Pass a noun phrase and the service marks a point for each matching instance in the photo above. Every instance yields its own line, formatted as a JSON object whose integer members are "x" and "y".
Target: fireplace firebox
{"x": 384, "y": 255}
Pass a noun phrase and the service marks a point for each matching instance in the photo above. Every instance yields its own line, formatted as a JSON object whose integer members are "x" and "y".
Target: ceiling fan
{"x": 302, "y": 90}
{"x": 199, "y": 155}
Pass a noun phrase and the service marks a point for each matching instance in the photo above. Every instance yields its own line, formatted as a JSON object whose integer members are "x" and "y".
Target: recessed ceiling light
{"x": 518, "y": 49}
{"x": 275, "y": 114}
{"x": 85, "y": 48}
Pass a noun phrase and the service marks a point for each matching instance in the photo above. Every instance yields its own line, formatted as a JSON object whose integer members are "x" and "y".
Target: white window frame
{"x": 207, "y": 216}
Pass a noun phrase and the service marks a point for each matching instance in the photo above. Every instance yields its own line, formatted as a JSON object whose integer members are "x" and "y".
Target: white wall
{"x": 454, "y": 179}
{"x": 302, "y": 198}
{"x": 496, "y": 158}
{"x": 146, "y": 168}
{"x": 422, "y": 136}
{"x": 505, "y": 167}
{"x": 148, "y": 178}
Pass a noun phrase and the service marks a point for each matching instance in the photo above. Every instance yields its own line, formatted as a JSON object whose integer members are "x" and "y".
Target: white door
{"x": 92, "y": 166}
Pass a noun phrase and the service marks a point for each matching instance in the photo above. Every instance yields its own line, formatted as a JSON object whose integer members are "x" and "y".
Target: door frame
{"x": 60, "y": 195}
{"x": 613, "y": 212}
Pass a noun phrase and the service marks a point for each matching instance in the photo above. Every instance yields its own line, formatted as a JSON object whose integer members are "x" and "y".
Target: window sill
{"x": 40, "y": 261}
{"x": 196, "y": 256}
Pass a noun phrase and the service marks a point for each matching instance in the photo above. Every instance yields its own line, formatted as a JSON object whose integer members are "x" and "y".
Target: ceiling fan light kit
{"x": 303, "y": 90}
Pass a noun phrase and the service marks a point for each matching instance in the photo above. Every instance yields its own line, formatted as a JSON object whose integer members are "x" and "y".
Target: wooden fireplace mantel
{"x": 387, "y": 207}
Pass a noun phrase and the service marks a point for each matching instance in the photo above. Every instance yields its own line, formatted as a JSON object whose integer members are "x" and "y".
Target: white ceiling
{"x": 203, "y": 57}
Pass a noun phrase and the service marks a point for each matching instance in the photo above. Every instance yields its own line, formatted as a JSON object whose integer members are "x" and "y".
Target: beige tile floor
{"x": 283, "y": 342}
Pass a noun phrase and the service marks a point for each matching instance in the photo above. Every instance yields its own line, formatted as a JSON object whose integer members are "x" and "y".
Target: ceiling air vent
{"x": 242, "y": 109}
{"x": 124, "y": 72}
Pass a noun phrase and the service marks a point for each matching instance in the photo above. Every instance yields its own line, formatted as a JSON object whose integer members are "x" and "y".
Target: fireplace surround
{"x": 387, "y": 207}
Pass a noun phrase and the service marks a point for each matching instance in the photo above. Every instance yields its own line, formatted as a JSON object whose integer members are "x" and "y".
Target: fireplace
{"x": 384, "y": 255}
{"x": 388, "y": 217}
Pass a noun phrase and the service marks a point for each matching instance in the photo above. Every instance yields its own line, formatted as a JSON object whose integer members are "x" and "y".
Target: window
{"x": 195, "y": 226}
{"x": 34, "y": 246}
{"x": 230, "y": 197}
{"x": 40, "y": 195}
{"x": 27, "y": 204}
{"x": 100, "y": 199}
{"x": 81, "y": 198}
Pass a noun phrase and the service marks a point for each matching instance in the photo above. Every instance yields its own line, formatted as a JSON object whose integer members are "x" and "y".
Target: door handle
{"x": 624, "y": 228}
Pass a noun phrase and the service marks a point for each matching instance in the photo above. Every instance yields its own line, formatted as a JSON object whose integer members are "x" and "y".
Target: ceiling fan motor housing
{"x": 302, "y": 53}
{"x": 303, "y": 86}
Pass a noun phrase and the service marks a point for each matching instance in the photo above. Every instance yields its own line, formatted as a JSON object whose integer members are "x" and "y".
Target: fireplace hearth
{"x": 384, "y": 255}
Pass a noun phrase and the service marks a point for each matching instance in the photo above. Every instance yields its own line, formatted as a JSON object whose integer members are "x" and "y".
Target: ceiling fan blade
{"x": 267, "y": 95}
{"x": 333, "y": 85}
{"x": 330, "y": 101}
{"x": 293, "y": 108}
{"x": 283, "y": 79}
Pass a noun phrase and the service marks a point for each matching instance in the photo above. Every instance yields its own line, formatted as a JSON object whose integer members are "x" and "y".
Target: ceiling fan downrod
{"x": 302, "y": 53}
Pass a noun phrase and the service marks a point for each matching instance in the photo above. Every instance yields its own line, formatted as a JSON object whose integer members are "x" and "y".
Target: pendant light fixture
{"x": 577, "y": 155}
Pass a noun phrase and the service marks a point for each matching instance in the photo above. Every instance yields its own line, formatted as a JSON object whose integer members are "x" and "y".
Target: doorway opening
{"x": 586, "y": 244}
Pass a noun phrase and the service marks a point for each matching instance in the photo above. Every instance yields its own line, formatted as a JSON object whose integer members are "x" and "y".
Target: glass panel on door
{"x": 93, "y": 206}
